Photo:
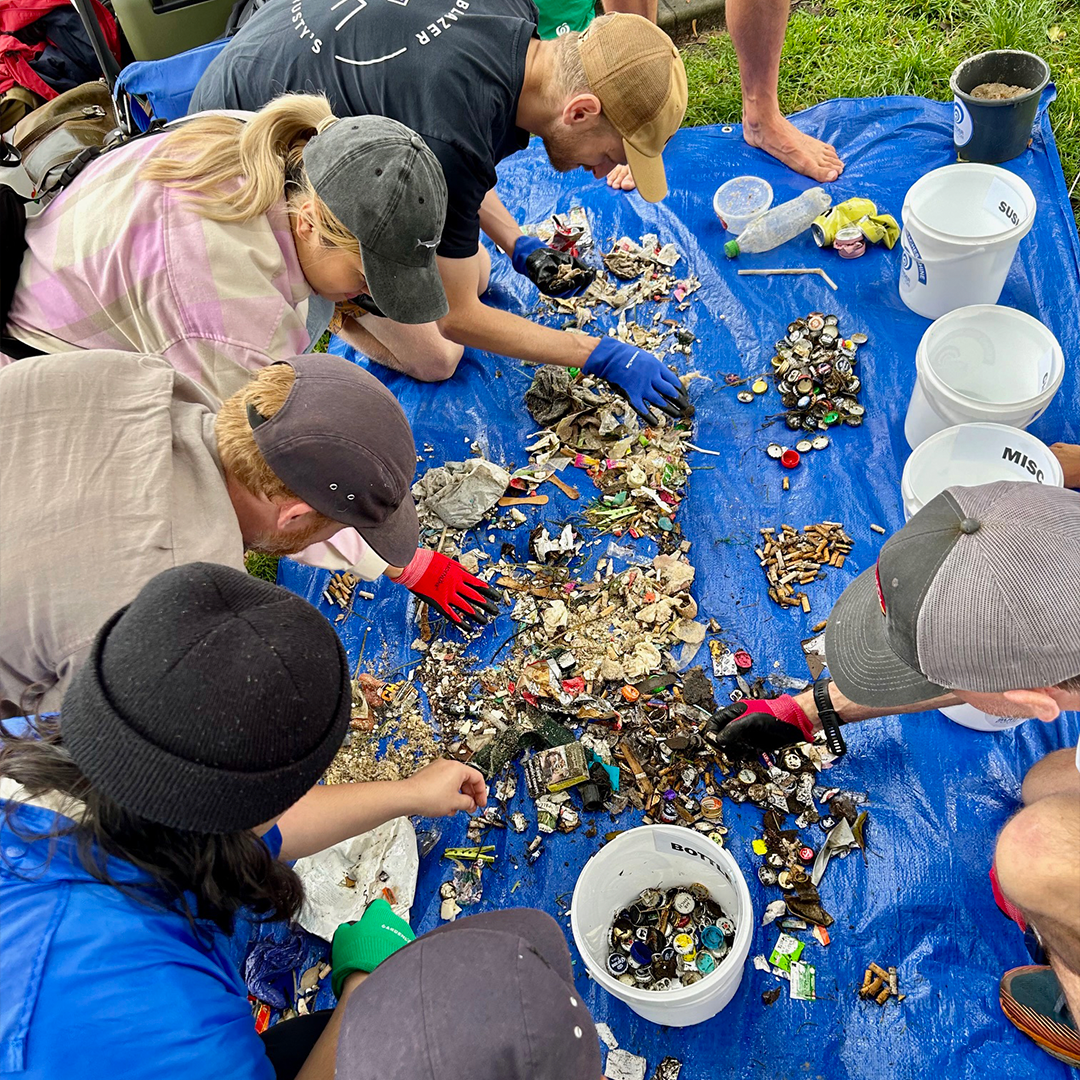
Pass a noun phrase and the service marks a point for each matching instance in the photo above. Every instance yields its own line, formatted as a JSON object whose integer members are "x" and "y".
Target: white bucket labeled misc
{"x": 968, "y": 716}
{"x": 986, "y": 363}
{"x": 962, "y": 226}
{"x": 661, "y": 857}
{"x": 973, "y": 454}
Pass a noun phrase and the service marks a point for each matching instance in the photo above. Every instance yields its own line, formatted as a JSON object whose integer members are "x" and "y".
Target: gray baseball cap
{"x": 518, "y": 1018}
{"x": 387, "y": 188}
{"x": 343, "y": 445}
{"x": 979, "y": 591}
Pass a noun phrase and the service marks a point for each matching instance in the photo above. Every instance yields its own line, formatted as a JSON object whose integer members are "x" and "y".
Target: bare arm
{"x": 320, "y": 1063}
{"x": 497, "y": 222}
{"x": 646, "y": 8}
{"x": 331, "y": 813}
{"x": 474, "y": 324}
{"x": 849, "y": 712}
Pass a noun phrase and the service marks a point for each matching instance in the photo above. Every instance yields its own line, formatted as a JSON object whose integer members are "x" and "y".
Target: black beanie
{"x": 210, "y": 703}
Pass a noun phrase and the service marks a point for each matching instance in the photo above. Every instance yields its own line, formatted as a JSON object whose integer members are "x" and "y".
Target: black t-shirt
{"x": 451, "y": 70}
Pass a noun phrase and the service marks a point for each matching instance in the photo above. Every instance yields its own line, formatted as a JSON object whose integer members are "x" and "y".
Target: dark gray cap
{"x": 386, "y": 187}
{"x": 979, "y": 591}
{"x": 212, "y": 702}
{"x": 343, "y": 445}
{"x": 490, "y": 997}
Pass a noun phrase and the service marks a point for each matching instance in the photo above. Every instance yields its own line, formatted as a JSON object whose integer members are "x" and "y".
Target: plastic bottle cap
{"x": 789, "y": 459}
{"x": 731, "y": 248}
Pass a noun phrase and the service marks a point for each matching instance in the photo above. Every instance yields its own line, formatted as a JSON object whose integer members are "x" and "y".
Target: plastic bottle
{"x": 780, "y": 224}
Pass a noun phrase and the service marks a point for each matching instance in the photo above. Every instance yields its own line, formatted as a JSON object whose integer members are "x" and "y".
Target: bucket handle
{"x": 958, "y": 258}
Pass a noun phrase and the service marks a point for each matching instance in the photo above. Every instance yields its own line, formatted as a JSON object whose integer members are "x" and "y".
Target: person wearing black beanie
{"x": 179, "y": 776}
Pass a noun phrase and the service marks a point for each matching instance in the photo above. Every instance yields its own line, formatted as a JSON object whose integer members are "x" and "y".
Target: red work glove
{"x": 447, "y": 585}
{"x": 746, "y": 728}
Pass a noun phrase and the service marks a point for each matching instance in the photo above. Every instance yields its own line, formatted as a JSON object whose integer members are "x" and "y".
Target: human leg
{"x": 1055, "y": 774}
{"x": 1038, "y": 867}
{"x": 757, "y": 30}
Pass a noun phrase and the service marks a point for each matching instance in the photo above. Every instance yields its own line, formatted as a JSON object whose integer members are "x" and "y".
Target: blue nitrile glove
{"x": 642, "y": 379}
{"x": 541, "y": 265}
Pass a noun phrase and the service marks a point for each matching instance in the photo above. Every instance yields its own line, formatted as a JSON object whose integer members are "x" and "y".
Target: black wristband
{"x": 830, "y": 718}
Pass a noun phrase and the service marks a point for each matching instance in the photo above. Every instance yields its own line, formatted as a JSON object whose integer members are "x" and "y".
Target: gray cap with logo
{"x": 343, "y": 445}
{"x": 979, "y": 591}
{"x": 386, "y": 187}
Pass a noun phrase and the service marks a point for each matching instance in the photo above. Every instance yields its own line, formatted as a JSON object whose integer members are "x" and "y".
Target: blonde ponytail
{"x": 235, "y": 170}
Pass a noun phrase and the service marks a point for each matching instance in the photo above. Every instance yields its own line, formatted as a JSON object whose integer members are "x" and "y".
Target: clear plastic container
{"x": 780, "y": 224}
{"x": 741, "y": 200}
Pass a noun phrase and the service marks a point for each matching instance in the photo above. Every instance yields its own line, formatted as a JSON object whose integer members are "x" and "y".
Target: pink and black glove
{"x": 746, "y": 728}
{"x": 448, "y": 586}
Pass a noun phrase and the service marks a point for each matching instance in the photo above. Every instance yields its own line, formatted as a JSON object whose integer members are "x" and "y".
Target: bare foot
{"x": 785, "y": 142}
{"x": 621, "y": 178}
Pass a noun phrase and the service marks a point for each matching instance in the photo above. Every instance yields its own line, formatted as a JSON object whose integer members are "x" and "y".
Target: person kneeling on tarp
{"x": 117, "y": 467}
{"x": 138, "y": 824}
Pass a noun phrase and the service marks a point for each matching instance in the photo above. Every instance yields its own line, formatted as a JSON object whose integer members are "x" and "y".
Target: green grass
{"x": 868, "y": 48}
{"x": 261, "y": 566}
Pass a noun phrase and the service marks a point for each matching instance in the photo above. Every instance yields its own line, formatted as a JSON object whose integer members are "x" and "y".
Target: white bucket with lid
{"x": 661, "y": 857}
{"x": 973, "y": 454}
{"x": 962, "y": 226}
{"x": 968, "y": 716}
{"x": 983, "y": 362}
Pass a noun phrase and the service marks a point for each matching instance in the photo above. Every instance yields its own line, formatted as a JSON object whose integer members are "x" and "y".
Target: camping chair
{"x": 156, "y": 29}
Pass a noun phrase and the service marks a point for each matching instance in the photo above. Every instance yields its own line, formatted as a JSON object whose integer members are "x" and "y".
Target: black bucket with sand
{"x": 995, "y": 99}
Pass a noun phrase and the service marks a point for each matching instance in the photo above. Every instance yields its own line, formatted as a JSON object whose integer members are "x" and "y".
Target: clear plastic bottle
{"x": 780, "y": 224}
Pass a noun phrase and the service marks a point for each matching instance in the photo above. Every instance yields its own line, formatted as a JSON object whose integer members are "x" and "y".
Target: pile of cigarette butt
{"x": 879, "y": 985}
{"x": 791, "y": 559}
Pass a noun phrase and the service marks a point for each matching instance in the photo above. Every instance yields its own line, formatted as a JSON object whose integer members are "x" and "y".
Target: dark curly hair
{"x": 203, "y": 876}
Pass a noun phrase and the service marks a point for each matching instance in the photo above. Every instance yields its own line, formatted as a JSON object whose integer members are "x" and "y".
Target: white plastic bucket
{"x": 661, "y": 856}
{"x": 968, "y": 716}
{"x": 983, "y": 362}
{"x": 962, "y": 226}
{"x": 972, "y": 454}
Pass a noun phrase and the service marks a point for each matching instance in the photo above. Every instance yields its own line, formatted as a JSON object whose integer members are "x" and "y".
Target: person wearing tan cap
{"x": 757, "y": 29}
{"x": 474, "y": 81}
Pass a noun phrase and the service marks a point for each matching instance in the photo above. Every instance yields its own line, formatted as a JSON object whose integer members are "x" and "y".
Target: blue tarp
{"x": 939, "y": 793}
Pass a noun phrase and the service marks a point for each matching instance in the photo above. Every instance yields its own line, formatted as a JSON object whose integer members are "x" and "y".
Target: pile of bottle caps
{"x": 670, "y": 938}
{"x": 814, "y": 369}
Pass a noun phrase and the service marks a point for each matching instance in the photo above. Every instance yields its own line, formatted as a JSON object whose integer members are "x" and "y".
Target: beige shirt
{"x": 108, "y": 475}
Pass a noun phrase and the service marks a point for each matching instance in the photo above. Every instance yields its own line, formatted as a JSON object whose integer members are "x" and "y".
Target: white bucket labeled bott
{"x": 985, "y": 363}
{"x": 661, "y": 857}
{"x": 973, "y": 454}
{"x": 962, "y": 226}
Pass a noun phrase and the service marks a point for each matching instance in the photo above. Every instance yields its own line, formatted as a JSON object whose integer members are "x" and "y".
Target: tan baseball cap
{"x": 635, "y": 70}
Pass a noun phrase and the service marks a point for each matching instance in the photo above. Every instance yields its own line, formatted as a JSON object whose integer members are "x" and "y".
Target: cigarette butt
{"x": 874, "y": 988}
{"x": 786, "y": 484}
{"x": 878, "y": 529}
{"x": 817, "y": 628}
{"x": 881, "y": 973}
{"x": 883, "y": 996}
{"x": 806, "y": 604}
{"x": 894, "y": 987}
{"x": 840, "y": 561}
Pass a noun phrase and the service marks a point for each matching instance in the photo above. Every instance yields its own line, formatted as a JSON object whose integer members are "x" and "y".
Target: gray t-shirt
{"x": 109, "y": 475}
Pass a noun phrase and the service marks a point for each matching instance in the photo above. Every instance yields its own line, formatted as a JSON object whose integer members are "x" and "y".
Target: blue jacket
{"x": 97, "y": 986}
